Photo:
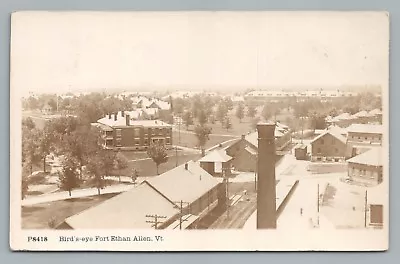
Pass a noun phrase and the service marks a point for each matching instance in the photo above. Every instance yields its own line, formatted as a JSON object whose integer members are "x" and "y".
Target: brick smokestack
{"x": 266, "y": 185}
{"x": 128, "y": 120}
{"x": 115, "y": 116}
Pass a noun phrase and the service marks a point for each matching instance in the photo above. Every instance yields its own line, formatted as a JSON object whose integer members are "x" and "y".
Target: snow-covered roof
{"x": 372, "y": 157}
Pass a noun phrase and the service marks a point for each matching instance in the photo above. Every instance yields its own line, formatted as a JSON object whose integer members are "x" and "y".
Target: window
{"x": 145, "y": 131}
{"x": 366, "y": 138}
{"x": 359, "y": 137}
{"x": 167, "y": 140}
{"x": 137, "y": 132}
{"x": 118, "y": 142}
{"x": 153, "y": 131}
{"x": 137, "y": 141}
{"x": 109, "y": 142}
{"x": 118, "y": 132}
{"x": 146, "y": 142}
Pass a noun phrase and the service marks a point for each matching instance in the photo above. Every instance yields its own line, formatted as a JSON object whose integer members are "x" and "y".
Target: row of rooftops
{"x": 147, "y": 102}
{"x": 158, "y": 195}
{"x": 310, "y": 93}
{"x": 128, "y": 118}
{"x": 353, "y": 128}
{"x": 347, "y": 116}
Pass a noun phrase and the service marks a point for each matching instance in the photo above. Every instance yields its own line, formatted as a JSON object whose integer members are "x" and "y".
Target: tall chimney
{"x": 128, "y": 120}
{"x": 186, "y": 166}
{"x": 266, "y": 185}
{"x": 122, "y": 113}
{"x": 109, "y": 116}
{"x": 115, "y": 116}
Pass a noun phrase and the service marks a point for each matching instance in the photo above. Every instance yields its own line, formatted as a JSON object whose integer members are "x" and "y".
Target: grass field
{"x": 148, "y": 168}
{"x": 38, "y": 216}
{"x": 190, "y": 140}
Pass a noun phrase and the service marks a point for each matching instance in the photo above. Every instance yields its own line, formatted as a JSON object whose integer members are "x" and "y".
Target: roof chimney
{"x": 115, "y": 116}
{"x": 128, "y": 120}
{"x": 243, "y": 136}
{"x": 266, "y": 187}
{"x": 186, "y": 166}
{"x": 109, "y": 116}
{"x": 122, "y": 113}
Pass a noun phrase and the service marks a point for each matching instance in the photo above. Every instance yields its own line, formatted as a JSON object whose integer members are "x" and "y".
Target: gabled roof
{"x": 333, "y": 133}
{"x": 251, "y": 150}
{"x": 252, "y": 138}
{"x": 160, "y": 104}
{"x": 186, "y": 185}
{"x": 375, "y": 112}
{"x": 362, "y": 114}
{"x": 343, "y": 116}
{"x": 102, "y": 126}
{"x": 217, "y": 155}
{"x": 127, "y": 210}
{"x": 338, "y": 130}
{"x": 365, "y": 128}
{"x": 372, "y": 157}
{"x": 121, "y": 120}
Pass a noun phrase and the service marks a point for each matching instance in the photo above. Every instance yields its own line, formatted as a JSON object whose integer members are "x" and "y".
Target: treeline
{"x": 77, "y": 143}
{"x": 309, "y": 113}
{"x": 89, "y": 108}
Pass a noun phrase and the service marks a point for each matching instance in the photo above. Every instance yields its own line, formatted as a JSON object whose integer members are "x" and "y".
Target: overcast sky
{"x": 88, "y": 51}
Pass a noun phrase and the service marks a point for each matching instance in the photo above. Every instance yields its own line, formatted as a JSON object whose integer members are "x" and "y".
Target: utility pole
{"x": 176, "y": 156}
{"x": 179, "y": 128}
{"x": 181, "y": 213}
{"x": 365, "y": 208}
{"x": 156, "y": 220}
{"x": 318, "y": 205}
{"x": 302, "y": 129}
{"x": 255, "y": 176}
{"x": 226, "y": 177}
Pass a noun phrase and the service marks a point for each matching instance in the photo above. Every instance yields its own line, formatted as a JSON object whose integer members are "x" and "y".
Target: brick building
{"x": 361, "y": 137}
{"x": 367, "y": 167}
{"x": 328, "y": 146}
{"x": 120, "y": 131}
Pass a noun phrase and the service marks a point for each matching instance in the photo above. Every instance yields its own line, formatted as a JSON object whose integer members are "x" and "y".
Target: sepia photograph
{"x": 199, "y": 131}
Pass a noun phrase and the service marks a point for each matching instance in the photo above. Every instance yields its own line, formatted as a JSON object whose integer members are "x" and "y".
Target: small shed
{"x": 300, "y": 152}
{"x": 216, "y": 162}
